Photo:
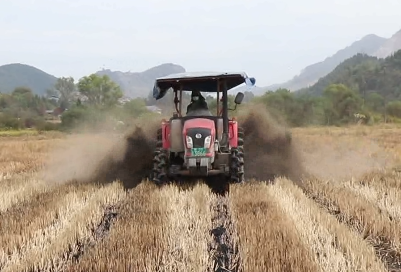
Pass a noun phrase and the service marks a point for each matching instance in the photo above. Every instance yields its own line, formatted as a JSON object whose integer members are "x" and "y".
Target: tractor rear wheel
{"x": 237, "y": 159}
{"x": 159, "y": 173}
{"x": 160, "y": 160}
{"x": 241, "y": 154}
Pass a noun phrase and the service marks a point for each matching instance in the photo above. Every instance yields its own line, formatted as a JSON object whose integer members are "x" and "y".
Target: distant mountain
{"x": 311, "y": 74}
{"x": 366, "y": 75}
{"x": 22, "y": 75}
{"x": 389, "y": 46}
{"x": 349, "y": 72}
{"x": 139, "y": 84}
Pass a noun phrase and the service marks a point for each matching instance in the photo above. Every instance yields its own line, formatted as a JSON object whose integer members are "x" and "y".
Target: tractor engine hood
{"x": 199, "y": 133}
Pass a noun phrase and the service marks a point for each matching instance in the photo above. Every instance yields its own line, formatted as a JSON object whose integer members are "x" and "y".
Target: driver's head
{"x": 196, "y": 95}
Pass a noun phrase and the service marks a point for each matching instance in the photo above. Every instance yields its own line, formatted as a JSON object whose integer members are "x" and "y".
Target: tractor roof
{"x": 201, "y": 81}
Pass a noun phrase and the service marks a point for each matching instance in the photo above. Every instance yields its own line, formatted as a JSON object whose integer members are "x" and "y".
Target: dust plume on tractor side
{"x": 76, "y": 158}
{"x": 269, "y": 149}
{"x": 104, "y": 157}
{"x": 137, "y": 157}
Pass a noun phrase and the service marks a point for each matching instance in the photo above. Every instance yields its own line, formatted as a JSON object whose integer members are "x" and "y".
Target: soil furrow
{"x": 336, "y": 247}
{"x": 98, "y": 233}
{"x": 384, "y": 246}
{"x": 135, "y": 242}
{"x": 268, "y": 240}
{"x": 22, "y": 220}
{"x": 223, "y": 248}
{"x": 47, "y": 249}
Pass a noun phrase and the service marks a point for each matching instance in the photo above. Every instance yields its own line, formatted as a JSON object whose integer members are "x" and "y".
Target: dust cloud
{"x": 343, "y": 159}
{"x": 136, "y": 162}
{"x": 77, "y": 157}
{"x": 269, "y": 148}
{"x": 104, "y": 156}
{"x": 270, "y": 152}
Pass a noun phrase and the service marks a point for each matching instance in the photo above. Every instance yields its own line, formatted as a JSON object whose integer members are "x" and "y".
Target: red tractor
{"x": 200, "y": 144}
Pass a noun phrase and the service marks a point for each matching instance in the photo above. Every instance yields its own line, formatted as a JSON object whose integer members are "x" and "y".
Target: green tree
{"x": 295, "y": 110}
{"x": 212, "y": 103}
{"x": 6, "y": 101}
{"x": 135, "y": 107}
{"x": 65, "y": 86}
{"x": 23, "y": 96}
{"x": 75, "y": 116}
{"x": 341, "y": 104}
{"x": 100, "y": 90}
{"x": 375, "y": 102}
{"x": 394, "y": 108}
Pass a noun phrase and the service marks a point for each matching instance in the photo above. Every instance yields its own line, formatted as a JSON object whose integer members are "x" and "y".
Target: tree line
{"x": 92, "y": 101}
{"x": 338, "y": 105}
{"x": 362, "y": 89}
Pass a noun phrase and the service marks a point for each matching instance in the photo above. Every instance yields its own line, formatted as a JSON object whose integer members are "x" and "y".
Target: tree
{"x": 65, "y": 86}
{"x": 341, "y": 103}
{"x": 23, "y": 96}
{"x": 6, "y": 101}
{"x": 135, "y": 107}
{"x": 375, "y": 102}
{"x": 286, "y": 106}
{"x": 100, "y": 90}
{"x": 394, "y": 108}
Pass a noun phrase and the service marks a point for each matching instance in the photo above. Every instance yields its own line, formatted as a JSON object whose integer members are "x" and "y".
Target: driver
{"x": 198, "y": 105}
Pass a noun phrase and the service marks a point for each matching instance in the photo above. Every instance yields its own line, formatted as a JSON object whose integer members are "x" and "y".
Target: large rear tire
{"x": 238, "y": 160}
{"x": 160, "y": 162}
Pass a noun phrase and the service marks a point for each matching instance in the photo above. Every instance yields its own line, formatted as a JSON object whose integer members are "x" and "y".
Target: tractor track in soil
{"x": 223, "y": 249}
{"x": 75, "y": 252}
{"x": 98, "y": 233}
{"x": 382, "y": 246}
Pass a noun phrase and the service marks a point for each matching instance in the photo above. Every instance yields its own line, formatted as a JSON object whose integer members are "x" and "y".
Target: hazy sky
{"x": 271, "y": 40}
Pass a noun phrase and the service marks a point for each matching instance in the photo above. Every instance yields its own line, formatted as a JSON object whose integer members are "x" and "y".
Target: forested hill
{"x": 310, "y": 74}
{"x": 21, "y": 75}
{"x": 139, "y": 84}
{"x": 366, "y": 75}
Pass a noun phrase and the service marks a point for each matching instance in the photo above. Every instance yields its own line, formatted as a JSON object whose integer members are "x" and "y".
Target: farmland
{"x": 344, "y": 216}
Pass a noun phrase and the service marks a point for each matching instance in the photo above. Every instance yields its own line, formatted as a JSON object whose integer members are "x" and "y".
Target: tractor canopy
{"x": 200, "y": 81}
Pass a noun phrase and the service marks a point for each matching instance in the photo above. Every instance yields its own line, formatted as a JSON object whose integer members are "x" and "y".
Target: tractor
{"x": 202, "y": 145}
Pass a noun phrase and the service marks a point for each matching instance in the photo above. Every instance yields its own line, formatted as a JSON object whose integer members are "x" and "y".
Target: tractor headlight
{"x": 208, "y": 139}
{"x": 189, "y": 142}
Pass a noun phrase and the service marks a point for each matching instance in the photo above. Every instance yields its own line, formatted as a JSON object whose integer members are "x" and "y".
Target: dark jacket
{"x": 198, "y": 107}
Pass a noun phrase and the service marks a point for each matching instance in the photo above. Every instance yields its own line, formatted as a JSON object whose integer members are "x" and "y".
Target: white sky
{"x": 271, "y": 40}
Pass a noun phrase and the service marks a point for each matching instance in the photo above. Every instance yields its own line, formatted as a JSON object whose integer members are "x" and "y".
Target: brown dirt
{"x": 269, "y": 152}
{"x": 137, "y": 150}
{"x": 224, "y": 247}
{"x": 104, "y": 157}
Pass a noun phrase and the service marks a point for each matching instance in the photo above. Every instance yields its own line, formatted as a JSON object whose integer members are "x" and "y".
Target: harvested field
{"x": 343, "y": 214}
